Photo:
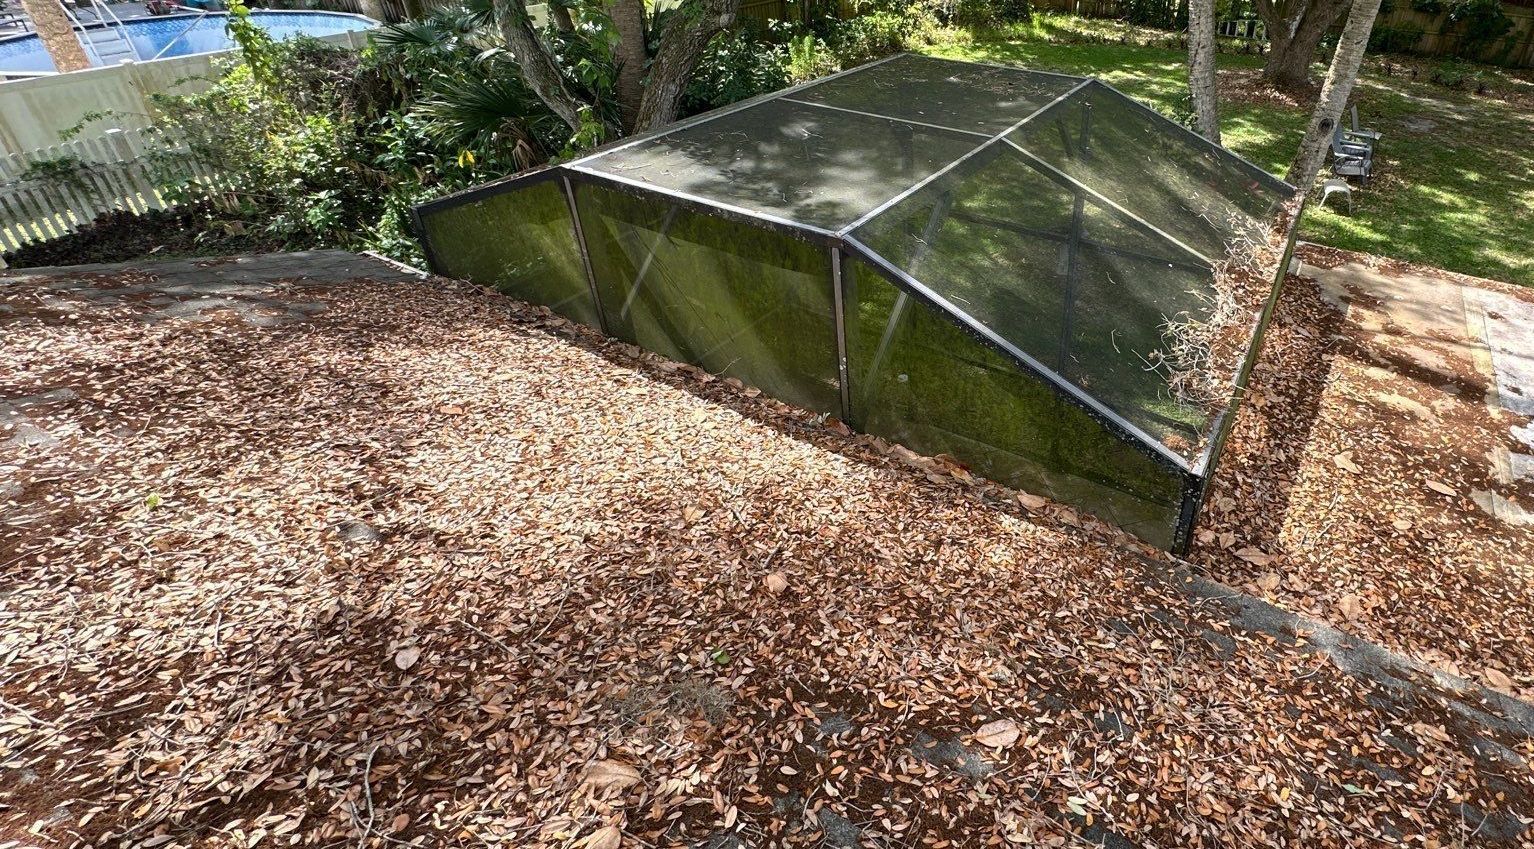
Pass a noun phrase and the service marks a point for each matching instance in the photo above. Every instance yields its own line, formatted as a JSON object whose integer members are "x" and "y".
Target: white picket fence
{"x": 121, "y": 169}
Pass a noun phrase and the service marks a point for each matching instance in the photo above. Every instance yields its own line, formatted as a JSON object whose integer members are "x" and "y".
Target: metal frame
{"x": 843, "y": 246}
{"x": 961, "y": 161}
{"x": 839, "y": 307}
{"x": 580, "y": 240}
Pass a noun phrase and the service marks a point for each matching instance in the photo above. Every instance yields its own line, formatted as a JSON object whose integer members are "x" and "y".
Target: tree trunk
{"x": 57, "y": 35}
{"x": 683, "y": 39}
{"x": 375, "y": 9}
{"x": 629, "y": 55}
{"x": 559, "y": 13}
{"x": 1338, "y": 87}
{"x": 538, "y": 68}
{"x": 1295, "y": 30}
{"x": 1201, "y": 68}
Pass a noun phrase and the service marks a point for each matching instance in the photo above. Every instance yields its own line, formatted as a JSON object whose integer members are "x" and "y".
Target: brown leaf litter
{"x": 264, "y": 589}
{"x": 1352, "y": 479}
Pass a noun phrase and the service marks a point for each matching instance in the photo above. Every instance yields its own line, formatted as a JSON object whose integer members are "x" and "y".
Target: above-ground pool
{"x": 182, "y": 35}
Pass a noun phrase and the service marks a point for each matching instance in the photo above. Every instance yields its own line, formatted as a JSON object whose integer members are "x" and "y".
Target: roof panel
{"x": 805, "y": 163}
{"x": 980, "y": 99}
{"x": 1200, "y": 195}
{"x": 1079, "y": 286}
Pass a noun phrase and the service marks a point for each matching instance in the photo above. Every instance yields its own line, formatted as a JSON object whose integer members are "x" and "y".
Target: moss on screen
{"x": 936, "y": 390}
{"x": 520, "y": 242}
{"x": 737, "y": 300}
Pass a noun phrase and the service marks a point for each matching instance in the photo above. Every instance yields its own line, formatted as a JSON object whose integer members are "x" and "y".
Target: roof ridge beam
{"x": 989, "y": 144}
{"x": 882, "y": 116}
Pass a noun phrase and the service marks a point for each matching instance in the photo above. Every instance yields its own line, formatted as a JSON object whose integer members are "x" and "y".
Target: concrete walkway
{"x": 1435, "y": 313}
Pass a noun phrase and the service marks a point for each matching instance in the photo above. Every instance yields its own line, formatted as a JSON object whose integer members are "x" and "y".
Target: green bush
{"x": 1483, "y": 22}
{"x": 738, "y": 65}
{"x": 809, "y": 57}
{"x": 318, "y": 146}
{"x": 870, "y": 36}
{"x": 1458, "y": 74}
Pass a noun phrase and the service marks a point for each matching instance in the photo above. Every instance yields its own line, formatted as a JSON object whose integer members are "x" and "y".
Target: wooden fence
{"x": 48, "y": 192}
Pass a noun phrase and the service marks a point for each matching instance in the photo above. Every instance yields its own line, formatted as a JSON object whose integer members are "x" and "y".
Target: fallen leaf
{"x": 1442, "y": 488}
{"x": 1031, "y": 501}
{"x": 1401, "y": 525}
{"x": 998, "y": 734}
{"x": 606, "y": 837}
{"x": 400, "y": 823}
{"x": 452, "y": 410}
{"x": 1345, "y": 462}
{"x": 406, "y": 657}
{"x": 1350, "y": 605}
{"x": 1255, "y": 556}
{"x": 1498, "y": 680}
{"x": 608, "y": 774}
{"x": 776, "y": 583}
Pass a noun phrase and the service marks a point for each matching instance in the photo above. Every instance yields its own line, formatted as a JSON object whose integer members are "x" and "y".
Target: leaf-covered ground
{"x": 1351, "y": 484}
{"x": 375, "y": 563}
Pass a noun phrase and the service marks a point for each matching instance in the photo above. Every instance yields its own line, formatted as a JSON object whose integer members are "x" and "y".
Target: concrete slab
{"x": 1435, "y": 320}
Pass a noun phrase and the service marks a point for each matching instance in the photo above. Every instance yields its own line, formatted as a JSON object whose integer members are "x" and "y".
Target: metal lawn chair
{"x": 1342, "y": 144}
{"x": 1369, "y": 136}
{"x": 1349, "y": 161}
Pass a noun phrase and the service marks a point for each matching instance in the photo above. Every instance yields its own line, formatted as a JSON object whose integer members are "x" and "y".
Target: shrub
{"x": 870, "y": 36}
{"x": 1483, "y": 21}
{"x": 738, "y": 65}
{"x": 1458, "y": 74}
{"x": 808, "y": 58}
{"x": 319, "y": 146}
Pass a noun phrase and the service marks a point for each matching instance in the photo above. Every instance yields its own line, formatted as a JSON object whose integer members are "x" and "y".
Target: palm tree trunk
{"x": 630, "y": 55}
{"x": 1201, "y": 68}
{"x": 1340, "y": 79}
{"x": 57, "y": 35}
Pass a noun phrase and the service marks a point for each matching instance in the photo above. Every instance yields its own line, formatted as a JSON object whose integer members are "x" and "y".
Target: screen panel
{"x": 736, "y": 300}
{"x": 1078, "y": 287}
{"x": 519, "y": 241}
{"x": 984, "y": 99}
{"x": 797, "y": 162}
{"x": 919, "y": 380}
{"x": 1198, "y": 194}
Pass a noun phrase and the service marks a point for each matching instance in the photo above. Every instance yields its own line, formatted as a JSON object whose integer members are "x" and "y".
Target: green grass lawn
{"x": 1454, "y": 184}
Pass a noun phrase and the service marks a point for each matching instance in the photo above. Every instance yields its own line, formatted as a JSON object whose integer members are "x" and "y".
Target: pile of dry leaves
{"x": 434, "y": 568}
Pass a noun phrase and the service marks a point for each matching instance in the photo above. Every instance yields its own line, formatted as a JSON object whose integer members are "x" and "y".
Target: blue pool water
{"x": 186, "y": 34}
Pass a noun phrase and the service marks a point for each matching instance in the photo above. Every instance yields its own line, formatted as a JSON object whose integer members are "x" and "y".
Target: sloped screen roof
{"x": 1071, "y": 222}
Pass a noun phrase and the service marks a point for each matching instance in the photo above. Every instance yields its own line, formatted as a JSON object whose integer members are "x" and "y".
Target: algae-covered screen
{"x": 1026, "y": 272}
{"x": 1082, "y": 228}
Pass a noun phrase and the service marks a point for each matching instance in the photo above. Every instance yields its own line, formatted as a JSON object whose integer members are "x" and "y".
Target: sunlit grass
{"x": 1454, "y": 185}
